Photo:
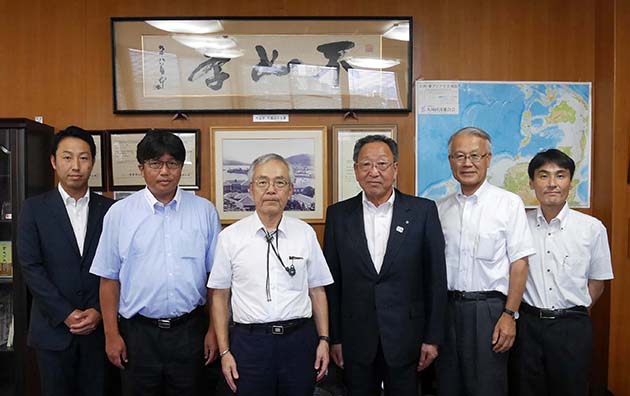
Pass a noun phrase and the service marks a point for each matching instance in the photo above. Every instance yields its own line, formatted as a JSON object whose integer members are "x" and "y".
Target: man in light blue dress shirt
{"x": 153, "y": 258}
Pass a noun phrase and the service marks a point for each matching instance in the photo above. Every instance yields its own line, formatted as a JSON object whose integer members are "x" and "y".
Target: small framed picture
{"x": 124, "y": 171}
{"x": 344, "y": 138}
{"x": 234, "y": 149}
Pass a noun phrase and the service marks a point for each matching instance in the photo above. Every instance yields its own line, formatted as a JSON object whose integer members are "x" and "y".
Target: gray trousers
{"x": 467, "y": 365}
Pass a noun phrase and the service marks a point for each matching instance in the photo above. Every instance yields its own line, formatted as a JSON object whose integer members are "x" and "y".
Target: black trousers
{"x": 366, "y": 378}
{"x": 467, "y": 365}
{"x": 270, "y": 365}
{"x": 76, "y": 370}
{"x": 167, "y": 362}
{"x": 551, "y": 356}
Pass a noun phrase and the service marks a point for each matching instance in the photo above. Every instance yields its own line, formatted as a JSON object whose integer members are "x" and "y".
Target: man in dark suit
{"x": 57, "y": 238}
{"x": 385, "y": 250}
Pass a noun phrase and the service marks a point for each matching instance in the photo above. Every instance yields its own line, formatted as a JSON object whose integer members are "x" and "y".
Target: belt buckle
{"x": 543, "y": 314}
{"x": 164, "y": 323}
{"x": 277, "y": 330}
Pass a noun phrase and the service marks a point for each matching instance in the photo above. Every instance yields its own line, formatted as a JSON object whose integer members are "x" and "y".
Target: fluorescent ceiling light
{"x": 183, "y": 26}
{"x": 400, "y": 31}
{"x": 200, "y": 41}
{"x": 372, "y": 63}
{"x": 223, "y": 53}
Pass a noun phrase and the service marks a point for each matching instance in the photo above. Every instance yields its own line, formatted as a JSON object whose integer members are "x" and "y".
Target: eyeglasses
{"x": 263, "y": 184}
{"x": 365, "y": 166}
{"x": 461, "y": 158}
{"x": 172, "y": 164}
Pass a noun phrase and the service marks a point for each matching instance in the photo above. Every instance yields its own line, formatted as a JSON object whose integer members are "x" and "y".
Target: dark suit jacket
{"x": 57, "y": 275}
{"x": 404, "y": 305}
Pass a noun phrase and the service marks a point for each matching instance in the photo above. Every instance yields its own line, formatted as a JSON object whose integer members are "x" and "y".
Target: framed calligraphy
{"x": 124, "y": 171}
{"x": 227, "y": 64}
{"x": 234, "y": 149}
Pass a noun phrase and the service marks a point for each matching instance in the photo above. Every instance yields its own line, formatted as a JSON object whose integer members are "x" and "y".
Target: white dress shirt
{"x": 484, "y": 234}
{"x": 377, "y": 222}
{"x": 240, "y": 263}
{"x": 78, "y": 214}
{"x": 571, "y": 249}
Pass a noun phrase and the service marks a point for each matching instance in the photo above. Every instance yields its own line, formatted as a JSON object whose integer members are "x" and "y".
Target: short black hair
{"x": 158, "y": 142}
{"x": 75, "y": 132}
{"x": 391, "y": 143}
{"x": 553, "y": 156}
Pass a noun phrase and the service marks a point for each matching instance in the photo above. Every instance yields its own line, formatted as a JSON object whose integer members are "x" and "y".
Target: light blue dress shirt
{"x": 160, "y": 254}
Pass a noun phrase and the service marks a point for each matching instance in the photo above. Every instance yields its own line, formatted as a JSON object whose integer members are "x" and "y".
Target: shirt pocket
{"x": 297, "y": 282}
{"x": 576, "y": 267}
{"x": 490, "y": 247}
{"x": 191, "y": 245}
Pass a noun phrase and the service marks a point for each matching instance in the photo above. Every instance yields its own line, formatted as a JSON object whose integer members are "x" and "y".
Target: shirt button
{"x": 548, "y": 252}
{"x": 550, "y": 289}
{"x": 548, "y": 270}
{"x": 549, "y": 234}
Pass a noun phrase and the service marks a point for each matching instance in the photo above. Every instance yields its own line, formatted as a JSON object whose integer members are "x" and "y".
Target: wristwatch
{"x": 325, "y": 338}
{"x": 514, "y": 315}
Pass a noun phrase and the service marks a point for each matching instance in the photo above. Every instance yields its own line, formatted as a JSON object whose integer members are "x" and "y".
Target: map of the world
{"x": 522, "y": 118}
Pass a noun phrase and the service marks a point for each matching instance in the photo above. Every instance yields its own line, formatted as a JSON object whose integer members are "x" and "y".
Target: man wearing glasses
{"x": 487, "y": 247}
{"x": 275, "y": 271}
{"x": 385, "y": 250}
{"x": 153, "y": 258}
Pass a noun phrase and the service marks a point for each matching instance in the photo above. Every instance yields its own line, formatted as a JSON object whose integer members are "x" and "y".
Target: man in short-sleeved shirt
{"x": 154, "y": 257}
{"x": 487, "y": 246}
{"x": 275, "y": 270}
{"x": 552, "y": 355}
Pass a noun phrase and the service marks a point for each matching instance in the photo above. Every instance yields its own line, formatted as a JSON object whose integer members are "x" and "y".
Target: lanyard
{"x": 269, "y": 237}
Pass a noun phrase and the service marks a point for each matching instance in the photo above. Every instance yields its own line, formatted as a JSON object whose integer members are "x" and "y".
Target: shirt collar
{"x": 384, "y": 205}
{"x": 68, "y": 200}
{"x": 153, "y": 202}
{"x": 259, "y": 227}
{"x": 476, "y": 196}
{"x": 561, "y": 217}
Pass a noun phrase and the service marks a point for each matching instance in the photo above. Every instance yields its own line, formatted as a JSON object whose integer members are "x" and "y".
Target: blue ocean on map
{"x": 522, "y": 118}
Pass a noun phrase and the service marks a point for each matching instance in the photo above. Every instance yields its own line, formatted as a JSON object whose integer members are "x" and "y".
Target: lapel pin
{"x": 406, "y": 221}
{"x": 400, "y": 229}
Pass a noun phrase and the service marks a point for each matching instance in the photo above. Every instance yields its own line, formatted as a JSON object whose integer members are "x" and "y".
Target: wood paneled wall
{"x": 619, "y": 359}
{"x": 56, "y": 62}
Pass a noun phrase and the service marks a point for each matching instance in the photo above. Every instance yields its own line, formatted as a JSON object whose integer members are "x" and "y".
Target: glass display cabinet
{"x": 24, "y": 171}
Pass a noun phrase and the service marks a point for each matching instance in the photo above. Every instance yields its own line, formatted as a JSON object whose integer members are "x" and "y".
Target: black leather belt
{"x": 542, "y": 313}
{"x": 167, "y": 323}
{"x": 275, "y": 328}
{"x": 474, "y": 296}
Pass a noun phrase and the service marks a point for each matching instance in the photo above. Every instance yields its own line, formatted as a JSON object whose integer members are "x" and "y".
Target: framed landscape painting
{"x": 234, "y": 149}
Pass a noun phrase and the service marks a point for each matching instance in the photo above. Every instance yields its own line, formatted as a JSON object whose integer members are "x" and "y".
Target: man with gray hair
{"x": 487, "y": 247}
{"x": 275, "y": 270}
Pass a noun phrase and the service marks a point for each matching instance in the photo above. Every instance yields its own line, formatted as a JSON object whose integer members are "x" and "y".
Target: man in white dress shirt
{"x": 275, "y": 270}
{"x": 552, "y": 355}
{"x": 487, "y": 247}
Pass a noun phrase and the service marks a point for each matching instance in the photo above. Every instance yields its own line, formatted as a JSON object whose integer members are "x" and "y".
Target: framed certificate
{"x": 97, "y": 177}
{"x": 124, "y": 171}
{"x": 344, "y": 138}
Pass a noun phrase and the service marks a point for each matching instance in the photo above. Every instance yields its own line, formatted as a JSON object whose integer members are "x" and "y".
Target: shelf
{"x": 6, "y": 280}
